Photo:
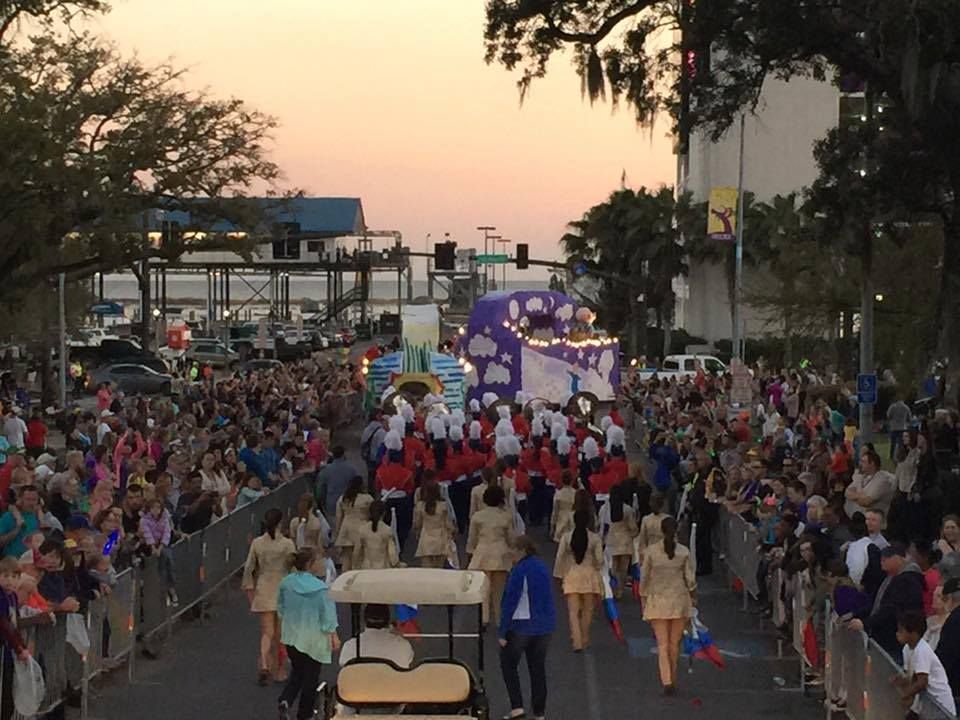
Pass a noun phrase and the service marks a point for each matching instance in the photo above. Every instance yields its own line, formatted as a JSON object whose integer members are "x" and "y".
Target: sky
{"x": 391, "y": 101}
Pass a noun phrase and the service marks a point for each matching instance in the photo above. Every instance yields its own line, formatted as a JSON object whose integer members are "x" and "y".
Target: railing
{"x": 138, "y": 608}
{"x": 857, "y": 672}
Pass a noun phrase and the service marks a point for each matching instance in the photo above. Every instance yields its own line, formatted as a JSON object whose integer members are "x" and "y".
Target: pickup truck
{"x": 681, "y": 366}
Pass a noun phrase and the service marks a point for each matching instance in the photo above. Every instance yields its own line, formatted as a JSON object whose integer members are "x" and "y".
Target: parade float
{"x": 417, "y": 369}
{"x": 540, "y": 343}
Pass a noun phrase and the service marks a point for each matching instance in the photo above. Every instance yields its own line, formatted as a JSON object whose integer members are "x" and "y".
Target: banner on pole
{"x": 722, "y": 214}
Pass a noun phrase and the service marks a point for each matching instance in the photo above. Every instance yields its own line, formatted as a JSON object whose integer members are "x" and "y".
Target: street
{"x": 209, "y": 669}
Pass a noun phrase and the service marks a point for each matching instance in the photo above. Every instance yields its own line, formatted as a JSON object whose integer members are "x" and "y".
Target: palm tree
{"x": 631, "y": 241}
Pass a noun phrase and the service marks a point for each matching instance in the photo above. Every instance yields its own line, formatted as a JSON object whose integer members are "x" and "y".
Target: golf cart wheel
{"x": 481, "y": 707}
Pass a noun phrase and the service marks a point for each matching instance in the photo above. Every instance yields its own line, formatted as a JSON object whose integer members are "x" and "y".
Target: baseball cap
{"x": 896, "y": 549}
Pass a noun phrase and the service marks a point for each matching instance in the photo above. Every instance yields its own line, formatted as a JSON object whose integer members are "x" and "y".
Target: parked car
{"x": 211, "y": 351}
{"x": 680, "y": 366}
{"x": 258, "y": 365}
{"x": 96, "y": 335}
{"x": 133, "y": 378}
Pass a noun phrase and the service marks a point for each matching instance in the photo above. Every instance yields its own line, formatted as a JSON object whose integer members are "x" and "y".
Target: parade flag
{"x": 722, "y": 214}
{"x": 697, "y": 643}
{"x": 634, "y": 571}
{"x": 407, "y": 619}
{"x": 610, "y": 605}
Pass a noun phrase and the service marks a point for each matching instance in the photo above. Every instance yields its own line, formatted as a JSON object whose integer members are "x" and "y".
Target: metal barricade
{"x": 187, "y": 571}
{"x": 216, "y": 544}
{"x": 97, "y": 629}
{"x": 798, "y": 597}
{"x": 882, "y": 699}
{"x": 742, "y": 555}
{"x": 48, "y": 644}
{"x": 121, "y": 615}
{"x": 846, "y": 679}
{"x": 154, "y": 611}
{"x": 779, "y": 615}
{"x": 242, "y": 532}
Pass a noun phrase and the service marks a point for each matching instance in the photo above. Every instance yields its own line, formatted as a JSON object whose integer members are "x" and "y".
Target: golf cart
{"x": 441, "y": 688}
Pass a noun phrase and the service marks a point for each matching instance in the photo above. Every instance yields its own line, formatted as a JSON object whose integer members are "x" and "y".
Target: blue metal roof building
{"x": 317, "y": 216}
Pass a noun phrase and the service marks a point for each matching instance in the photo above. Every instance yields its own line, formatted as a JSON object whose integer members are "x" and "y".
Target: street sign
{"x": 867, "y": 389}
{"x": 496, "y": 259}
{"x": 741, "y": 392}
{"x": 106, "y": 308}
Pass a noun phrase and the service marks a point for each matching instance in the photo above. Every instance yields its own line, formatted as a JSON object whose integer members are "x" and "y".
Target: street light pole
{"x": 61, "y": 286}
{"x": 486, "y": 230}
{"x": 738, "y": 276}
{"x": 426, "y": 249}
{"x": 503, "y": 241}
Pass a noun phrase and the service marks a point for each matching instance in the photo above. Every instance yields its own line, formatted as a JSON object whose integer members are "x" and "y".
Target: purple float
{"x": 536, "y": 342}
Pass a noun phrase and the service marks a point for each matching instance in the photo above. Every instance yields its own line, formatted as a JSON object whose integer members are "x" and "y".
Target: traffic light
{"x": 523, "y": 256}
{"x": 445, "y": 256}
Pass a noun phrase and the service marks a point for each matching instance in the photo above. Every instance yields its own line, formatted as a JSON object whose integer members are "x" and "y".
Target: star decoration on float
{"x": 487, "y": 330}
{"x": 506, "y": 358}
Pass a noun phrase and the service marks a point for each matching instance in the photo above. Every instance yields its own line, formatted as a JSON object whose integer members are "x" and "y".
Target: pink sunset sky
{"x": 391, "y": 101}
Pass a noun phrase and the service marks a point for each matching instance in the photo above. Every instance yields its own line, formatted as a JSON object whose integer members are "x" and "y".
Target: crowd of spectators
{"x": 875, "y": 535}
{"x": 128, "y": 478}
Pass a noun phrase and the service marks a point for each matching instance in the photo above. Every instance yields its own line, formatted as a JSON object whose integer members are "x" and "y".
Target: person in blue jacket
{"x": 308, "y": 629}
{"x": 664, "y": 454}
{"x": 527, "y": 620}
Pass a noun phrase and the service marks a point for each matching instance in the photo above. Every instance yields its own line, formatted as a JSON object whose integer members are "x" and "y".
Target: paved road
{"x": 208, "y": 670}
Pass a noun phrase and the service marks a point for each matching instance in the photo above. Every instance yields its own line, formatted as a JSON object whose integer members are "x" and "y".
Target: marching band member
{"x": 620, "y": 536}
{"x": 563, "y": 457}
{"x": 395, "y": 485}
{"x": 463, "y": 466}
{"x": 488, "y": 478}
{"x": 579, "y": 563}
{"x": 590, "y": 466}
{"x": 532, "y": 463}
{"x": 477, "y": 442}
{"x": 561, "y": 518}
{"x": 488, "y": 399}
{"x": 375, "y": 547}
{"x": 520, "y": 425}
{"x": 433, "y": 524}
{"x": 416, "y": 457}
{"x": 353, "y": 509}
{"x": 490, "y": 545}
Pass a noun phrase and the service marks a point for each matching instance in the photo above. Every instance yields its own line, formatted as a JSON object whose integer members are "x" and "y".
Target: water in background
{"x": 192, "y": 290}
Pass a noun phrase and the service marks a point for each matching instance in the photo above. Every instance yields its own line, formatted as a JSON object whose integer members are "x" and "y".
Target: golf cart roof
{"x": 410, "y": 586}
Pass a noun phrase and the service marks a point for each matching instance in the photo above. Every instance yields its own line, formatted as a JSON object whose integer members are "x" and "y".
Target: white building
{"x": 778, "y": 159}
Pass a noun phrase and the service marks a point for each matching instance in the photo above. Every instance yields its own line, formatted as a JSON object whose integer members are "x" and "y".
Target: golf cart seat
{"x": 434, "y": 684}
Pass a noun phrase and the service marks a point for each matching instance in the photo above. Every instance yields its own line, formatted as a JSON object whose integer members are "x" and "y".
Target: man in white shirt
{"x": 378, "y": 640}
{"x": 104, "y": 426}
{"x": 871, "y": 488}
{"x": 875, "y": 526}
{"x": 925, "y": 679}
{"x": 14, "y": 428}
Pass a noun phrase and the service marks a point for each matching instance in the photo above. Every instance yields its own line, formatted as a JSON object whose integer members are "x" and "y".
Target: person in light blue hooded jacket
{"x": 308, "y": 629}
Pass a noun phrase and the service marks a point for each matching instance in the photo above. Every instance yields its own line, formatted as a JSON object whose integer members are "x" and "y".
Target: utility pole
{"x": 504, "y": 241}
{"x": 61, "y": 284}
{"x": 486, "y": 230}
{"x": 738, "y": 276}
{"x": 867, "y": 296}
